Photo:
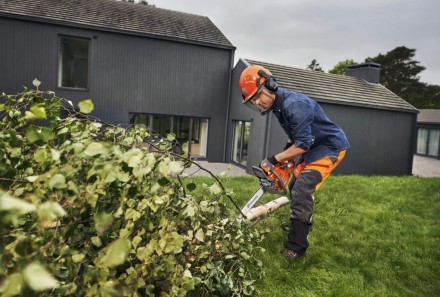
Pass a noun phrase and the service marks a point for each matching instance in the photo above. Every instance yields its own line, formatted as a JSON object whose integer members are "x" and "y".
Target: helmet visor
{"x": 255, "y": 107}
{"x": 251, "y": 104}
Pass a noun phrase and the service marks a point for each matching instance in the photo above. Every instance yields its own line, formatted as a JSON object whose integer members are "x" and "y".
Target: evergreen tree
{"x": 314, "y": 65}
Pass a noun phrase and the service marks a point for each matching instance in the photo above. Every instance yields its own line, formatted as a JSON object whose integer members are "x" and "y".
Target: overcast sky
{"x": 293, "y": 32}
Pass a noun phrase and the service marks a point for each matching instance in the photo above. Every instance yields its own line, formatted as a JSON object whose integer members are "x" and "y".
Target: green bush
{"x": 89, "y": 209}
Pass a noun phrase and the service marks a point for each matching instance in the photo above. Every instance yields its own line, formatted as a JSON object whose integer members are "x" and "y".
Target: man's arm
{"x": 289, "y": 154}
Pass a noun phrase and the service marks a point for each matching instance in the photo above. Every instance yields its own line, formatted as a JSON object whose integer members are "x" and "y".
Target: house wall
{"x": 127, "y": 74}
{"x": 382, "y": 141}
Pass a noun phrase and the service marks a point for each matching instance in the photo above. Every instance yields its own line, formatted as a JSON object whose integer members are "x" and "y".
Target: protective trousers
{"x": 307, "y": 181}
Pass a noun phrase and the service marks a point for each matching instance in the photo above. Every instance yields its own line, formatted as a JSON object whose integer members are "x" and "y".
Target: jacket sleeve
{"x": 300, "y": 115}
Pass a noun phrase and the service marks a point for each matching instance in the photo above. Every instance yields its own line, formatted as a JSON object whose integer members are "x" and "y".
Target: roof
{"x": 111, "y": 15}
{"x": 334, "y": 88}
{"x": 429, "y": 116}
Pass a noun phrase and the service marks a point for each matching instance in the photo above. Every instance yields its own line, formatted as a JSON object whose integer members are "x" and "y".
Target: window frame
{"x": 58, "y": 86}
{"x": 429, "y": 128}
{"x": 150, "y": 124}
{"x": 242, "y": 134}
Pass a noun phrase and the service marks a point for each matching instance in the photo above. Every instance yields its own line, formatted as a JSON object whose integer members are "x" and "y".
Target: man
{"x": 320, "y": 144}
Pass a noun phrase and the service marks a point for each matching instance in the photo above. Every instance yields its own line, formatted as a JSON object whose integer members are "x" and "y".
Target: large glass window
{"x": 191, "y": 130}
{"x": 241, "y": 142}
{"x": 428, "y": 142}
{"x": 422, "y": 139}
{"x": 73, "y": 62}
{"x": 434, "y": 141}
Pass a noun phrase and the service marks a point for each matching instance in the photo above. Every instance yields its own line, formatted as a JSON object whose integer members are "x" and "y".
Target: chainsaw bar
{"x": 253, "y": 200}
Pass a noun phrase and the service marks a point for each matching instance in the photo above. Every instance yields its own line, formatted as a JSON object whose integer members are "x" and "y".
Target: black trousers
{"x": 301, "y": 204}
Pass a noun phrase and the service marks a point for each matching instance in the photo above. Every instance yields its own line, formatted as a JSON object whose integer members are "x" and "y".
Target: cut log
{"x": 265, "y": 209}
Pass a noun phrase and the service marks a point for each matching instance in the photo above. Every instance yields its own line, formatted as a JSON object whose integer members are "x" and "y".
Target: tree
{"x": 92, "y": 209}
{"x": 399, "y": 73}
{"x": 341, "y": 66}
{"x": 314, "y": 65}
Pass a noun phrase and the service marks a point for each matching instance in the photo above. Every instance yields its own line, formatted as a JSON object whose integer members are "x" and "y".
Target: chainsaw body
{"x": 274, "y": 182}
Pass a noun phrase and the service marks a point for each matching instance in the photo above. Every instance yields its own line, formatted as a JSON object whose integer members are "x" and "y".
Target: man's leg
{"x": 308, "y": 180}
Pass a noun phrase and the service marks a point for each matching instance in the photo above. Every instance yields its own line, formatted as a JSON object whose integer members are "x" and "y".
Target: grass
{"x": 372, "y": 236}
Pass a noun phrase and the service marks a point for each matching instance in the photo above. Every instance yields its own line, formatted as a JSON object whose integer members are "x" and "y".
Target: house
{"x": 379, "y": 125}
{"x": 139, "y": 64}
{"x": 174, "y": 72}
{"x": 428, "y": 133}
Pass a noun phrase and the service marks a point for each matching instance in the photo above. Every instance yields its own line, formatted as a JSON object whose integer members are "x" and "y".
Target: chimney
{"x": 368, "y": 71}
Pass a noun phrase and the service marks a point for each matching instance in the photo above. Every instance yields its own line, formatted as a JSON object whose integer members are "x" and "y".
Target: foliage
{"x": 341, "y": 66}
{"x": 399, "y": 73}
{"x": 90, "y": 209}
{"x": 314, "y": 65}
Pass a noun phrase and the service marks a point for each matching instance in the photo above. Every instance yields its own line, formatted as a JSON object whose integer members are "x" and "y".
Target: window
{"x": 241, "y": 141}
{"x": 73, "y": 62}
{"x": 428, "y": 142}
{"x": 185, "y": 128}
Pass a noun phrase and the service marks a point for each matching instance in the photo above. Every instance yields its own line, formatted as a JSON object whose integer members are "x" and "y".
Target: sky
{"x": 294, "y": 32}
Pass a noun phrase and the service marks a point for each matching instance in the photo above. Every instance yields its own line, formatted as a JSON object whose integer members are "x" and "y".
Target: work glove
{"x": 288, "y": 144}
{"x": 268, "y": 163}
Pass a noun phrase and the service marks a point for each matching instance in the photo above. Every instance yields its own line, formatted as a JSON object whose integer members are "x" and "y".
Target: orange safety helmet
{"x": 252, "y": 81}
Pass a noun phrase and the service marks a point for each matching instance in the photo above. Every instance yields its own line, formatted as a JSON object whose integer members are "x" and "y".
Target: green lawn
{"x": 372, "y": 236}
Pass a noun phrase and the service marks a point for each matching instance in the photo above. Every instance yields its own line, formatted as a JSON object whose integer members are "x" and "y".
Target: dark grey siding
{"x": 127, "y": 74}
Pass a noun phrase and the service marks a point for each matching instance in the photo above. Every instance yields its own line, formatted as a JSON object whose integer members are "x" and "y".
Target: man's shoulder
{"x": 292, "y": 97}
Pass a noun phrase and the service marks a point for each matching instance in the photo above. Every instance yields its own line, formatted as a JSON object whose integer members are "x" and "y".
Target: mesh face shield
{"x": 251, "y": 104}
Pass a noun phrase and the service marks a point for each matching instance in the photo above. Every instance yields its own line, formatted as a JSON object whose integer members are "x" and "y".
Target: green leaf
{"x": 39, "y": 112}
{"x": 117, "y": 253}
{"x": 13, "y": 285}
{"x": 86, "y": 106}
{"x": 50, "y": 210}
{"x": 95, "y": 148}
{"x": 189, "y": 211}
{"x": 41, "y": 155}
{"x": 58, "y": 181}
{"x": 28, "y": 115}
{"x": 191, "y": 187}
{"x": 200, "y": 235}
{"x": 8, "y": 203}
{"x": 175, "y": 167}
{"x": 78, "y": 258}
{"x": 171, "y": 136}
{"x": 96, "y": 241}
{"x": 38, "y": 278}
{"x": 32, "y": 134}
{"x": 36, "y": 82}
{"x": 46, "y": 134}
{"x": 185, "y": 147}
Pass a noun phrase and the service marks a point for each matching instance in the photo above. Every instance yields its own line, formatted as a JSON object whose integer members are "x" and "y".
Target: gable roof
{"x": 111, "y": 15}
{"x": 429, "y": 116}
{"x": 334, "y": 88}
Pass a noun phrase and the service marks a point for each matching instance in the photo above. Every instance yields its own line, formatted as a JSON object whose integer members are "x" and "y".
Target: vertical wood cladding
{"x": 127, "y": 74}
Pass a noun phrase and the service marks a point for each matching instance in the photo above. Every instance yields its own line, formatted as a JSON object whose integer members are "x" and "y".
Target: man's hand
{"x": 268, "y": 163}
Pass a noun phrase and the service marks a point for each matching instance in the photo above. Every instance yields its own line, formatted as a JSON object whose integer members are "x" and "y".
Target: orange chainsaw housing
{"x": 283, "y": 170}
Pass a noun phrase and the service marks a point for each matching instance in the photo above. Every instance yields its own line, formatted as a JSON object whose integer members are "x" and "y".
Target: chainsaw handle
{"x": 280, "y": 180}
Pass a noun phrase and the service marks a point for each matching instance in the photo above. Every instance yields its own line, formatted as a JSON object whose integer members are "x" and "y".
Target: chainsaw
{"x": 274, "y": 182}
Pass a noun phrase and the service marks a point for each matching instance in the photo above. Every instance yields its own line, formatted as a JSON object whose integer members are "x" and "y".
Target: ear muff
{"x": 270, "y": 83}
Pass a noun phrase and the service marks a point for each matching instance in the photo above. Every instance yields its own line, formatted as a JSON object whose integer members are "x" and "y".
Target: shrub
{"x": 88, "y": 208}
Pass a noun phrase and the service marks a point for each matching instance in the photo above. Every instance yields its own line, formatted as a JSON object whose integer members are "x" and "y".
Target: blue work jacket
{"x": 307, "y": 126}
